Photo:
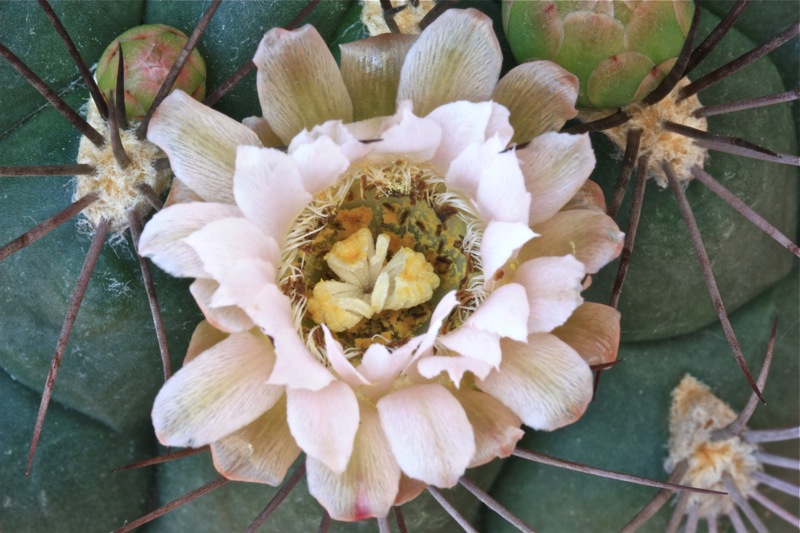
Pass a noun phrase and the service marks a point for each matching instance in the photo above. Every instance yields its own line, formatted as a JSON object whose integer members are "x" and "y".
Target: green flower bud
{"x": 149, "y": 52}
{"x": 619, "y": 50}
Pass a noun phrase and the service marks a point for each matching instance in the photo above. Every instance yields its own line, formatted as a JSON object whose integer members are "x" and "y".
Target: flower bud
{"x": 619, "y": 50}
{"x": 149, "y": 52}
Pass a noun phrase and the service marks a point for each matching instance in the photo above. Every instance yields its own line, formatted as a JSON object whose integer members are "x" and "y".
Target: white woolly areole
{"x": 407, "y": 19}
{"x": 661, "y": 145}
{"x": 695, "y": 414}
{"x": 115, "y": 187}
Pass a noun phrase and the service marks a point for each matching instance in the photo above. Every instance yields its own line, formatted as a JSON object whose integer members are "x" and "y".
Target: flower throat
{"x": 372, "y": 256}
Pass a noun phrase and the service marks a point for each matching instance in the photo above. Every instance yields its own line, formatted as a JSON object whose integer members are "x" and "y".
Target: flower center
{"x": 368, "y": 287}
{"x": 372, "y": 256}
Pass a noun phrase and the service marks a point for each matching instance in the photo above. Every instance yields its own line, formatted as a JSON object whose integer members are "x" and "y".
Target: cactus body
{"x": 618, "y": 50}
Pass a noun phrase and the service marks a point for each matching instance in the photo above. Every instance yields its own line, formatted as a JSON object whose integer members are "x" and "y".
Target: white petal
{"x": 201, "y": 144}
{"x": 465, "y": 123}
{"x": 442, "y": 311}
{"x": 268, "y": 189}
{"x": 454, "y": 365}
{"x": 456, "y": 58}
{"x": 405, "y": 133}
{"x": 163, "y": 237}
{"x": 428, "y": 432}
{"x": 320, "y": 163}
{"x": 344, "y": 136}
{"x": 501, "y": 190}
{"x": 339, "y": 362}
{"x": 500, "y": 241}
{"x": 324, "y": 423}
{"x": 380, "y": 366}
{"x": 504, "y": 312}
{"x": 474, "y": 343}
{"x": 260, "y": 452}
{"x": 223, "y": 243}
{"x": 295, "y": 366}
{"x": 227, "y": 318}
{"x": 369, "y": 484}
{"x": 220, "y": 391}
{"x": 545, "y": 382}
{"x": 465, "y": 171}
{"x": 553, "y": 286}
{"x": 299, "y": 84}
{"x": 555, "y": 165}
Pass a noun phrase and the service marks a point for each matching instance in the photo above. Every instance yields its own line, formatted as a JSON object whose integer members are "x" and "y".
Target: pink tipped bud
{"x": 149, "y": 52}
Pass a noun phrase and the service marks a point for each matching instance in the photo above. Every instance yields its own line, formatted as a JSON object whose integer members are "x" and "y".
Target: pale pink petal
{"x": 500, "y": 241}
{"x": 324, "y": 422}
{"x": 260, "y": 452}
{"x": 555, "y": 166}
{"x": 466, "y": 123}
{"x": 553, "y": 286}
{"x": 369, "y": 484}
{"x": 223, "y": 243}
{"x": 415, "y": 138}
{"x": 591, "y": 236}
{"x": 227, "y": 318}
{"x": 593, "y": 331}
{"x": 456, "y": 58}
{"x": 295, "y": 366}
{"x": 251, "y": 285}
{"x": 501, "y": 191}
{"x": 545, "y": 382}
{"x": 347, "y": 137}
{"x": 504, "y": 312}
{"x": 163, "y": 237}
{"x": 339, "y": 362}
{"x": 371, "y": 71}
{"x": 381, "y": 367}
{"x": 320, "y": 163}
{"x": 268, "y": 189}
{"x": 475, "y": 343}
{"x": 242, "y": 282}
{"x": 201, "y": 144}
{"x": 497, "y": 428}
{"x": 540, "y": 96}
{"x": 465, "y": 171}
{"x": 429, "y": 433}
{"x": 454, "y": 365}
{"x": 220, "y": 391}
{"x": 299, "y": 84}
{"x": 442, "y": 311}
{"x": 204, "y": 337}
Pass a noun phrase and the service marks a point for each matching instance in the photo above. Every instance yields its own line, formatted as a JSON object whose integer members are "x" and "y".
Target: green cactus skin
{"x": 149, "y": 52}
{"x": 99, "y": 417}
{"x": 615, "y": 48}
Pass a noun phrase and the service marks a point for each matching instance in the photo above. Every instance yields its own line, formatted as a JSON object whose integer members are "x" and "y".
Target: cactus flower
{"x": 619, "y": 50}
{"x": 392, "y": 295}
{"x": 149, "y": 52}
